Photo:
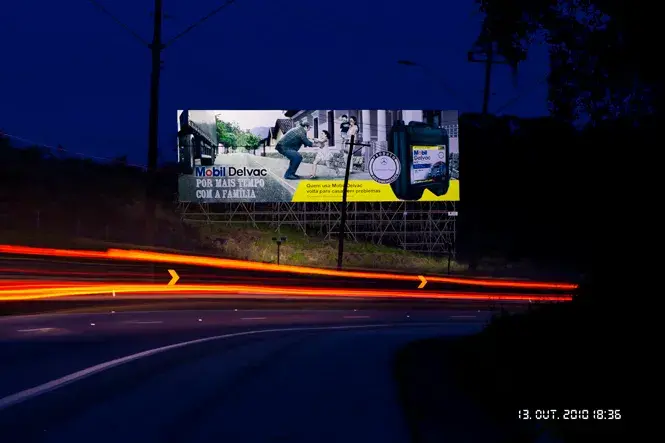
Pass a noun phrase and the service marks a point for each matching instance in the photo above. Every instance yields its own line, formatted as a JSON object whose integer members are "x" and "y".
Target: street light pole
{"x": 483, "y": 52}
{"x": 279, "y": 241}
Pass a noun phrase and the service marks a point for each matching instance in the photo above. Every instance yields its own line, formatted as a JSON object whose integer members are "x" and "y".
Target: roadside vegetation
{"x": 305, "y": 250}
{"x": 257, "y": 245}
{"x": 551, "y": 357}
{"x": 55, "y": 201}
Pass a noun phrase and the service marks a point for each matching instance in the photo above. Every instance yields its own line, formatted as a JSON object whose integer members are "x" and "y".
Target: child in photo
{"x": 323, "y": 156}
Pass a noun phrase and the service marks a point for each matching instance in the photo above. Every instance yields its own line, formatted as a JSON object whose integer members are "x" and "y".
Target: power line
{"x": 119, "y": 22}
{"x": 514, "y": 100}
{"x": 27, "y": 140}
{"x": 199, "y": 22}
{"x": 143, "y": 41}
{"x": 489, "y": 57}
{"x": 156, "y": 47}
{"x": 436, "y": 76}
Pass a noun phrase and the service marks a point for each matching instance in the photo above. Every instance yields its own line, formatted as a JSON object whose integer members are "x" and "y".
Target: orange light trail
{"x": 23, "y": 284}
{"x": 224, "y": 263}
{"x": 34, "y": 293}
{"x": 104, "y": 275}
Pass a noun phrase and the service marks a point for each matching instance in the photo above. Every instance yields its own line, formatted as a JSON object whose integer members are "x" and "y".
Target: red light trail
{"x": 223, "y": 263}
{"x": 15, "y": 291}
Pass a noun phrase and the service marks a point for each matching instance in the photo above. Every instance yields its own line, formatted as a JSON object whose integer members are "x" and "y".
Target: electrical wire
{"x": 436, "y": 76}
{"x": 119, "y": 22}
{"x": 521, "y": 95}
{"x": 138, "y": 37}
{"x": 199, "y": 22}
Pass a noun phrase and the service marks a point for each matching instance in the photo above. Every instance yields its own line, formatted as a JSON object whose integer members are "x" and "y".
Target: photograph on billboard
{"x": 301, "y": 155}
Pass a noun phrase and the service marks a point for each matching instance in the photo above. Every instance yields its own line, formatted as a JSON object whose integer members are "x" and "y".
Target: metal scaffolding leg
{"x": 427, "y": 228}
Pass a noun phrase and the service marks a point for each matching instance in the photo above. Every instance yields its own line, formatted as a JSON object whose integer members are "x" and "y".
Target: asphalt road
{"x": 96, "y": 305}
{"x": 323, "y": 376}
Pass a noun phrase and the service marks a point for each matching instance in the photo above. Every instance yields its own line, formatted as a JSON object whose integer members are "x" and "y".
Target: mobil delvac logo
{"x": 421, "y": 155}
{"x": 229, "y": 171}
{"x": 214, "y": 171}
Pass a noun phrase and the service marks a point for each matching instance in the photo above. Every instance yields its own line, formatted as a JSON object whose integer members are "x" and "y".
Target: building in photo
{"x": 375, "y": 125}
{"x": 276, "y": 132}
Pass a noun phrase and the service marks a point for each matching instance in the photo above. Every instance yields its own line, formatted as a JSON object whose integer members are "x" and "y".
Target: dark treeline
{"x": 542, "y": 189}
{"x": 46, "y": 193}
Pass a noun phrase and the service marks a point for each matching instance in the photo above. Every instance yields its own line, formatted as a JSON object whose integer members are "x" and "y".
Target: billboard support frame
{"x": 420, "y": 227}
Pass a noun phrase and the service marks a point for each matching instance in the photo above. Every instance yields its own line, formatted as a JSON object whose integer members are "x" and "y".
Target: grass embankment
{"x": 303, "y": 250}
{"x": 236, "y": 242}
{"x": 255, "y": 244}
{"x": 565, "y": 356}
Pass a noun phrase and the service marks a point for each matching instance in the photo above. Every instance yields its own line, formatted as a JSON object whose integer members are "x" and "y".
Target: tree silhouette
{"x": 599, "y": 62}
{"x": 5, "y": 143}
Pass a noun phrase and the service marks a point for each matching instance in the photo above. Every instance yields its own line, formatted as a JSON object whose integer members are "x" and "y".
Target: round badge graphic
{"x": 384, "y": 167}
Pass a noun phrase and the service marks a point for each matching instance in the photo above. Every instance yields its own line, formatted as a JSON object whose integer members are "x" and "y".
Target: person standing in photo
{"x": 344, "y": 129}
{"x": 290, "y": 144}
{"x": 323, "y": 156}
{"x": 353, "y": 129}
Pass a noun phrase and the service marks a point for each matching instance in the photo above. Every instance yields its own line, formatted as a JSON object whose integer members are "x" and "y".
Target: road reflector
{"x": 174, "y": 277}
{"x": 423, "y": 282}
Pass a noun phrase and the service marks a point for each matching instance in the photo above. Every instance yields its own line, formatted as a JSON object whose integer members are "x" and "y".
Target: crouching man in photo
{"x": 290, "y": 144}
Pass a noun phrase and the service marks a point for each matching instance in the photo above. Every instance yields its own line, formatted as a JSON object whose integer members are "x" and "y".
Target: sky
{"x": 72, "y": 76}
{"x": 249, "y": 119}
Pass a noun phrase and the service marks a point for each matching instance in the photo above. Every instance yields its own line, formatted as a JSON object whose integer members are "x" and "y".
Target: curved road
{"x": 257, "y": 376}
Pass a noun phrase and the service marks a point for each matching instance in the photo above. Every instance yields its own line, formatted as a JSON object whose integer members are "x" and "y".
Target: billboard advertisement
{"x": 301, "y": 155}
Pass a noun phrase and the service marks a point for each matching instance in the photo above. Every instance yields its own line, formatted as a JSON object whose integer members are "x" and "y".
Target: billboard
{"x": 301, "y": 156}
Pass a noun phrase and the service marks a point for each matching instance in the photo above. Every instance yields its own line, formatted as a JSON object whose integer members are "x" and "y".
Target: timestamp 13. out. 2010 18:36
{"x": 569, "y": 414}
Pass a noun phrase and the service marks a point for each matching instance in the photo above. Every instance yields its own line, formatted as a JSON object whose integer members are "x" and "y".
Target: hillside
{"x": 51, "y": 200}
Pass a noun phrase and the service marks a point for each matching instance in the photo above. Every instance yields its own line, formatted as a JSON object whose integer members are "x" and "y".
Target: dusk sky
{"x": 72, "y": 76}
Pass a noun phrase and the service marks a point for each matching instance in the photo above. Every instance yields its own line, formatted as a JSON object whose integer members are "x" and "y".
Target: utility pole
{"x": 488, "y": 78}
{"x": 484, "y": 53}
{"x": 156, "y": 48}
{"x": 342, "y": 227}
